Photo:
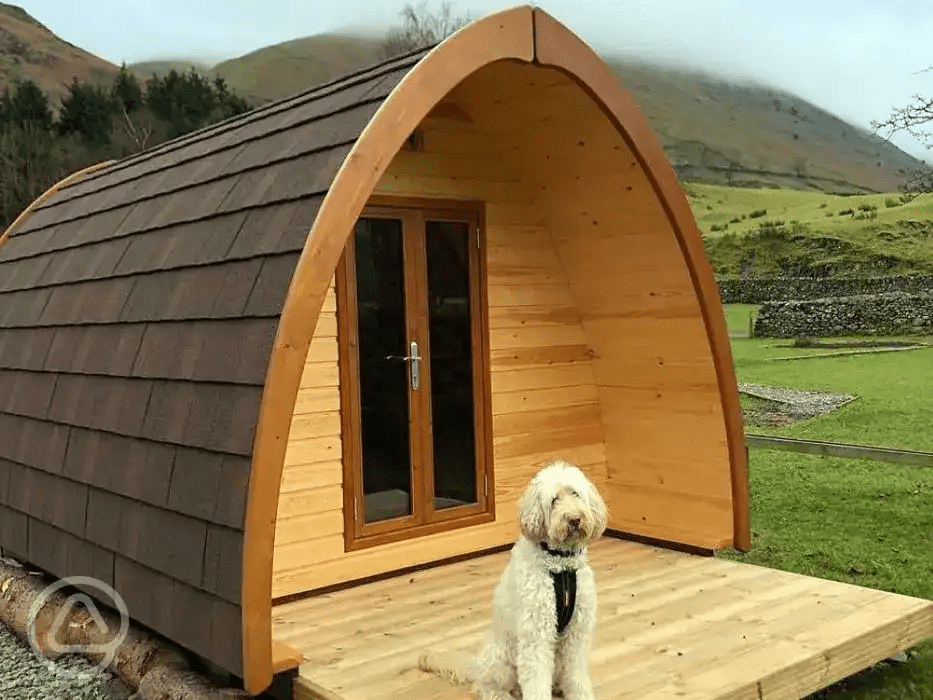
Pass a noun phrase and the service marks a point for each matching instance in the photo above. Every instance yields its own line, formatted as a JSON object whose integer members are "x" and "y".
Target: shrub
{"x": 757, "y": 213}
{"x": 890, "y": 202}
{"x": 823, "y": 205}
{"x": 828, "y": 214}
{"x": 865, "y": 206}
{"x": 734, "y": 221}
{"x": 846, "y": 211}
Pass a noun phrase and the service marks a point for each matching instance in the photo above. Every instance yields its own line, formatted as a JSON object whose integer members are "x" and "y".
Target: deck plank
{"x": 671, "y": 625}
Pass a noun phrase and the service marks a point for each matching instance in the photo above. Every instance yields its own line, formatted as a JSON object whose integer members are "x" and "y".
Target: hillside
{"x": 723, "y": 131}
{"x": 765, "y": 232}
{"x": 284, "y": 69}
{"x": 29, "y": 50}
{"x": 712, "y": 130}
{"x": 277, "y": 71}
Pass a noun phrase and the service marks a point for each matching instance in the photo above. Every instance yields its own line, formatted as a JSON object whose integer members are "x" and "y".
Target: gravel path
{"x": 792, "y": 404}
{"x": 24, "y": 677}
{"x": 811, "y": 403}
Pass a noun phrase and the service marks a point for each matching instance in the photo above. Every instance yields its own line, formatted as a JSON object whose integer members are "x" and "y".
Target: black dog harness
{"x": 565, "y": 589}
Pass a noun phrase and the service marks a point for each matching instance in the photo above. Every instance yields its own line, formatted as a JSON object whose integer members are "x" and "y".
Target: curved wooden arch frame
{"x": 557, "y": 47}
{"x": 48, "y": 194}
{"x": 523, "y": 33}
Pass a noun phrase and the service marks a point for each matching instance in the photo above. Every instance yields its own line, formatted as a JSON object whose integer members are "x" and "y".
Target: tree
{"x": 95, "y": 124}
{"x": 29, "y": 164}
{"x": 182, "y": 99}
{"x": 231, "y": 103}
{"x": 28, "y": 105}
{"x": 138, "y": 128}
{"x": 189, "y": 101}
{"x": 913, "y": 120}
{"x": 6, "y": 107}
{"x": 421, "y": 28}
{"x": 800, "y": 166}
{"x": 126, "y": 91}
{"x": 87, "y": 110}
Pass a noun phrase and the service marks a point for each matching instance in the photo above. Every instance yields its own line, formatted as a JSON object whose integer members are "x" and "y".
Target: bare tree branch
{"x": 913, "y": 120}
{"x": 909, "y": 119}
{"x": 139, "y": 134}
{"x": 920, "y": 181}
{"x": 421, "y": 28}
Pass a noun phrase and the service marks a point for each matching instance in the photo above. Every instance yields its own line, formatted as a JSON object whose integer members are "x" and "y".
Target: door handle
{"x": 415, "y": 366}
{"x": 415, "y": 360}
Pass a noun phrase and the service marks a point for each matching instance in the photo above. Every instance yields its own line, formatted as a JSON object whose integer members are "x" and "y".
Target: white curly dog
{"x": 544, "y": 607}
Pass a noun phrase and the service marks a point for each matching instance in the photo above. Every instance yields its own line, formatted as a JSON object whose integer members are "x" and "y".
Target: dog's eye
{"x": 575, "y": 494}
{"x": 554, "y": 500}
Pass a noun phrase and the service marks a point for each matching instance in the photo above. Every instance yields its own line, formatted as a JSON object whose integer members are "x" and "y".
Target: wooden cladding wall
{"x": 666, "y": 445}
{"x": 544, "y": 397}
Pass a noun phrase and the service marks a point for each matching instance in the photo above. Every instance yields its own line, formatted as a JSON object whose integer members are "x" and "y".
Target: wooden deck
{"x": 670, "y": 625}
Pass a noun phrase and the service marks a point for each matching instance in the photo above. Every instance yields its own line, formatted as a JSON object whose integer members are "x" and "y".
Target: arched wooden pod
{"x": 176, "y": 315}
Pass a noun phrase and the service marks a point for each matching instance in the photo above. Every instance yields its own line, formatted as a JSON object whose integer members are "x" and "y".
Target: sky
{"x": 858, "y": 59}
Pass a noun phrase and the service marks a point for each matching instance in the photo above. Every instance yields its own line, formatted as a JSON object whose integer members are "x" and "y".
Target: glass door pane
{"x": 450, "y": 322}
{"x": 383, "y": 372}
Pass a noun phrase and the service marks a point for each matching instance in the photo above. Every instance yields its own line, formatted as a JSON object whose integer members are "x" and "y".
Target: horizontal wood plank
{"x": 308, "y": 525}
{"x": 314, "y": 399}
{"x": 310, "y": 476}
{"x": 313, "y": 451}
{"x": 839, "y": 449}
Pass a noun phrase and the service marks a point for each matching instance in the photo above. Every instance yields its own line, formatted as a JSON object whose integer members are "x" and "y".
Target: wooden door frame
{"x": 424, "y": 519}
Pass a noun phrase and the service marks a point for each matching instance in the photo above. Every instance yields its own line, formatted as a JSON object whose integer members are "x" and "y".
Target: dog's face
{"x": 562, "y": 507}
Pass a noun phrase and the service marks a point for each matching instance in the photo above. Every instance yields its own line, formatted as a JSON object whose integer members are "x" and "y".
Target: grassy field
{"x": 738, "y": 316}
{"x": 858, "y": 521}
{"x": 719, "y": 205}
{"x": 774, "y": 231}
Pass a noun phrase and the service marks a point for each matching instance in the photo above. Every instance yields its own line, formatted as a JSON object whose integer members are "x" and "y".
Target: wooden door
{"x": 414, "y": 373}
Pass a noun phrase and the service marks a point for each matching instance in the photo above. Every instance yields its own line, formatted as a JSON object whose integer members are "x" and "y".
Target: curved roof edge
{"x": 505, "y": 35}
{"x": 48, "y": 194}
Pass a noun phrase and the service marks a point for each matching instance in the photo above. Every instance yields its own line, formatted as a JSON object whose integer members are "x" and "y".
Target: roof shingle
{"x": 138, "y": 312}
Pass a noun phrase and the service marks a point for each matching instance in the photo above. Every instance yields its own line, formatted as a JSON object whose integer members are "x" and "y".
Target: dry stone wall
{"x": 891, "y": 313}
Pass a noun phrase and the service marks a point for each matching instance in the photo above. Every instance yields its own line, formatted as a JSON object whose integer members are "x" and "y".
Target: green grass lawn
{"x": 737, "y": 317}
{"x": 894, "y": 389}
{"x": 857, "y": 521}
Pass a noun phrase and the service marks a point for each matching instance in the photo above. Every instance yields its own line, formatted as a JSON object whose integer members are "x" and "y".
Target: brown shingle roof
{"x": 138, "y": 308}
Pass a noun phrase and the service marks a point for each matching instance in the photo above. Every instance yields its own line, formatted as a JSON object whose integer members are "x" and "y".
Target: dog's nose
{"x": 574, "y": 522}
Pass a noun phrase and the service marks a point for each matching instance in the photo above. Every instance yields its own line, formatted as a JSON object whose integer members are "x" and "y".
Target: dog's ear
{"x": 599, "y": 510}
{"x": 532, "y": 511}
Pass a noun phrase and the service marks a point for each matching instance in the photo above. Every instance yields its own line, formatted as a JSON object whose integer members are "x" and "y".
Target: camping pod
{"x": 332, "y": 338}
